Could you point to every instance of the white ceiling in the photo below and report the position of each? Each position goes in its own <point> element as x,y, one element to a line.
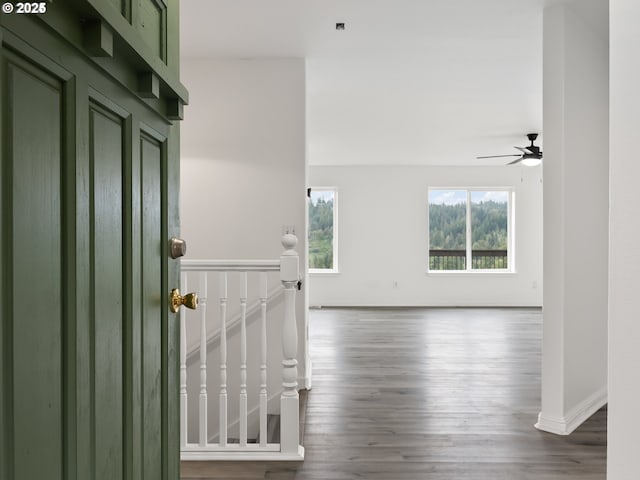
<point>408,82</point>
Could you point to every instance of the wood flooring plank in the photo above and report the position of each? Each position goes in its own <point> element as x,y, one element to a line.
<point>435,394</point>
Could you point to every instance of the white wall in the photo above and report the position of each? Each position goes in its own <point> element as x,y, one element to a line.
<point>243,151</point>
<point>576,128</point>
<point>623,461</point>
<point>243,161</point>
<point>382,237</point>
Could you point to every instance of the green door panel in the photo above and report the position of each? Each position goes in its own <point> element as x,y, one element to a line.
<point>151,14</point>
<point>119,5</point>
<point>153,302</point>
<point>106,147</point>
<point>33,105</point>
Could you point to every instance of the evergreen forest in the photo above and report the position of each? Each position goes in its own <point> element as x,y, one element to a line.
<point>321,233</point>
<point>448,225</point>
<point>447,231</point>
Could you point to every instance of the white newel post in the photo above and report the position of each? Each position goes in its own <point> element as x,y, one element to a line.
<point>289,409</point>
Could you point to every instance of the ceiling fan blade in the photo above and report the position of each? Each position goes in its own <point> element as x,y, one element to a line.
<point>517,160</point>
<point>498,156</point>
<point>524,150</point>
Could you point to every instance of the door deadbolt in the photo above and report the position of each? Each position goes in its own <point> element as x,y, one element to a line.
<point>190,300</point>
<point>177,247</point>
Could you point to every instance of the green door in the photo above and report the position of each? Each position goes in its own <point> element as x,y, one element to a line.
<point>88,202</point>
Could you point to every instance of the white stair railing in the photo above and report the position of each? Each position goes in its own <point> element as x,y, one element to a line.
<point>221,447</point>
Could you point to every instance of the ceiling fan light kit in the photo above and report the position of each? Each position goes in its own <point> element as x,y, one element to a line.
<point>531,155</point>
<point>531,160</point>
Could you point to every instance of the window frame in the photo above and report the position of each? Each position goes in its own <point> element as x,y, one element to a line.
<point>326,271</point>
<point>469,270</point>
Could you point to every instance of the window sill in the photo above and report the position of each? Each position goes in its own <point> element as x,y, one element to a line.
<point>471,273</point>
<point>324,273</point>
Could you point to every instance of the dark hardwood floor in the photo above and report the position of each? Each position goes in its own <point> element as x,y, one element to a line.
<point>431,394</point>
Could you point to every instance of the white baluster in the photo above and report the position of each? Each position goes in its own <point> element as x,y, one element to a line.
<point>289,409</point>
<point>203,359</point>
<point>243,359</point>
<point>223,359</point>
<point>183,369</point>
<point>263,360</point>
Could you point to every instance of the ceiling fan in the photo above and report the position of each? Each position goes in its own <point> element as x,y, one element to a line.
<point>530,156</point>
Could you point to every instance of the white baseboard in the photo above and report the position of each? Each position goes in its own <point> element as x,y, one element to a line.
<point>236,453</point>
<point>575,417</point>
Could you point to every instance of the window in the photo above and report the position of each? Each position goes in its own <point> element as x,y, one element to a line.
<point>470,229</point>
<point>323,238</point>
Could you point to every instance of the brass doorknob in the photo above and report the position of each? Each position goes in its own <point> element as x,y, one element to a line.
<point>190,300</point>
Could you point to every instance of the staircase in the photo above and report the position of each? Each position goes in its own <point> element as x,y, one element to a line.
<point>238,379</point>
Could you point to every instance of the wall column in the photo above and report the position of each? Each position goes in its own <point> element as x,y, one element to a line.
<point>576,196</point>
<point>623,441</point>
